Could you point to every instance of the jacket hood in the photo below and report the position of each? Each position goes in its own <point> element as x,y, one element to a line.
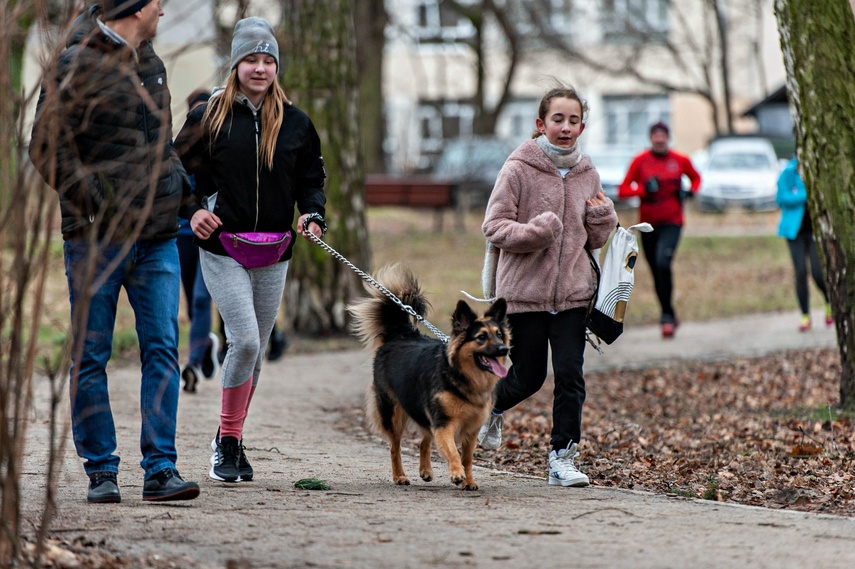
<point>83,32</point>
<point>83,25</point>
<point>529,153</point>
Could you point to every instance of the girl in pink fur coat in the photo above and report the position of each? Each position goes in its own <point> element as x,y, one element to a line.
<point>546,208</point>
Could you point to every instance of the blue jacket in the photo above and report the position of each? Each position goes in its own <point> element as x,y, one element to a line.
<point>791,198</point>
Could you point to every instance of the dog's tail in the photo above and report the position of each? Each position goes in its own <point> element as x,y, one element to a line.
<point>378,318</point>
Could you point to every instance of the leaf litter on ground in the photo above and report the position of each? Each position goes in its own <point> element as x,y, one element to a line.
<point>757,431</point>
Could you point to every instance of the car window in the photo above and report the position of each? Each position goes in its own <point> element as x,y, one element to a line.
<point>480,160</point>
<point>606,160</point>
<point>740,161</point>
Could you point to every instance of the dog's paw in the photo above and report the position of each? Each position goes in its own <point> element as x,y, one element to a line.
<point>457,478</point>
<point>426,475</point>
<point>471,485</point>
<point>401,481</point>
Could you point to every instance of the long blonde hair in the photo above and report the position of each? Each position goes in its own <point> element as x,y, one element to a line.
<point>220,108</point>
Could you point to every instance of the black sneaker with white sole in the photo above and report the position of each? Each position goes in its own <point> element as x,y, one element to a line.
<point>244,467</point>
<point>224,461</point>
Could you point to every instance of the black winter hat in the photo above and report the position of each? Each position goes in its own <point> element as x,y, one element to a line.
<point>660,125</point>
<point>118,9</point>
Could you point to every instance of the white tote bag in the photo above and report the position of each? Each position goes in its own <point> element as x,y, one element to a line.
<point>616,278</point>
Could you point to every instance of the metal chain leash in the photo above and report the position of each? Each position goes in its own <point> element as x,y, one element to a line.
<point>370,280</point>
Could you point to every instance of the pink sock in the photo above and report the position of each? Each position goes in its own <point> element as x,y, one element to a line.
<point>235,404</point>
<point>246,411</point>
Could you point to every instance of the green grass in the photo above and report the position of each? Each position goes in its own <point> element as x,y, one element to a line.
<point>819,413</point>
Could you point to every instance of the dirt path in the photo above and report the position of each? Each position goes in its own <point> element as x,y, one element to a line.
<point>299,428</point>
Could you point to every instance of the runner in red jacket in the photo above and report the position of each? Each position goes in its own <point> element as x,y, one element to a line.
<point>655,176</point>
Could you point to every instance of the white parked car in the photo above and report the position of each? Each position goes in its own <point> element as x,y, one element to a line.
<point>611,163</point>
<point>740,172</point>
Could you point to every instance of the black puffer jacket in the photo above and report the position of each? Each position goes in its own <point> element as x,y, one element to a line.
<point>251,196</point>
<point>102,137</point>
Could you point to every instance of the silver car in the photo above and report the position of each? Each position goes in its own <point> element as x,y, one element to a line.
<point>740,172</point>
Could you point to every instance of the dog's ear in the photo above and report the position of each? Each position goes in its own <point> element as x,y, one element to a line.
<point>462,318</point>
<point>497,311</point>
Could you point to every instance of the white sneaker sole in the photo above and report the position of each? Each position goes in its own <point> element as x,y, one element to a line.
<point>574,482</point>
<point>215,350</point>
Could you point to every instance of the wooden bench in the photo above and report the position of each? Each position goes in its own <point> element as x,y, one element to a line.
<point>414,192</point>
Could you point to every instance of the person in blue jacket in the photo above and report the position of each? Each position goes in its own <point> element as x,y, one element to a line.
<point>795,227</point>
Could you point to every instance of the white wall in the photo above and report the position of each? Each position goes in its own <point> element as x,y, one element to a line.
<point>184,42</point>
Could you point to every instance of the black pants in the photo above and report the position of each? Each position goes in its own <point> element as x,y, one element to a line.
<point>533,334</point>
<point>802,248</point>
<point>660,246</point>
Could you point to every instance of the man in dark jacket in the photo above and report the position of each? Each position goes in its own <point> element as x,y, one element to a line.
<point>101,139</point>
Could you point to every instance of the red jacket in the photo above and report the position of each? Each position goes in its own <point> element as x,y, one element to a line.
<point>663,207</point>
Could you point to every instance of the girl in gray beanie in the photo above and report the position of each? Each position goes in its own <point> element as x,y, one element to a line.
<point>253,35</point>
<point>256,158</point>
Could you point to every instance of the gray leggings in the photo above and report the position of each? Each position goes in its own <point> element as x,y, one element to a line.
<point>248,300</point>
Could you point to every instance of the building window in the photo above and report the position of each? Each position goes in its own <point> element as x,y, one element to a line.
<point>635,20</point>
<point>436,21</point>
<point>628,118</point>
<point>441,120</point>
<point>534,17</point>
<point>516,123</point>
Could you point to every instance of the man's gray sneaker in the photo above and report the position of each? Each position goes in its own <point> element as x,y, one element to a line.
<point>563,470</point>
<point>490,435</point>
<point>103,489</point>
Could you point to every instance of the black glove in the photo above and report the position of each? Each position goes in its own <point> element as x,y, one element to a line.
<point>651,186</point>
<point>684,195</point>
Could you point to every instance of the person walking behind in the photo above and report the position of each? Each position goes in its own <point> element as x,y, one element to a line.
<point>204,344</point>
<point>795,226</point>
<point>546,209</point>
<point>101,139</point>
<point>255,156</point>
<point>656,176</point>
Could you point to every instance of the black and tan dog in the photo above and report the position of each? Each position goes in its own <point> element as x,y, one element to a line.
<point>445,389</point>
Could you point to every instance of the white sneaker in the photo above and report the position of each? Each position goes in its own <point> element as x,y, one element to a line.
<point>490,435</point>
<point>562,468</point>
<point>210,364</point>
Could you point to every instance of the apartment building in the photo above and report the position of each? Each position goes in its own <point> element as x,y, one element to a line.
<point>670,51</point>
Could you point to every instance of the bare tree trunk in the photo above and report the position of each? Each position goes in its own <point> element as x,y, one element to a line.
<point>27,211</point>
<point>816,38</point>
<point>724,39</point>
<point>321,79</point>
<point>370,19</point>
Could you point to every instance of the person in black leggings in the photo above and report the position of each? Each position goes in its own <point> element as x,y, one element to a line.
<point>795,227</point>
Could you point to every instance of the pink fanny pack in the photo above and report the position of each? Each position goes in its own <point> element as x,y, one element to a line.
<point>255,249</point>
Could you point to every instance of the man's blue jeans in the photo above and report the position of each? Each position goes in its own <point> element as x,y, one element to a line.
<point>149,272</point>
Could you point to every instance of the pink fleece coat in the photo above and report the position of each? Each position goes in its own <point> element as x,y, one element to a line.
<point>541,224</point>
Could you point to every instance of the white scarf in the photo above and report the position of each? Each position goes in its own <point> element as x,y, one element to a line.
<point>561,157</point>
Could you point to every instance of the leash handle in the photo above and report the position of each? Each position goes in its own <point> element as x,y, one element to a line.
<point>370,280</point>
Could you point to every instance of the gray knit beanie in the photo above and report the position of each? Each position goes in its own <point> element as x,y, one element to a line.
<point>118,9</point>
<point>253,35</point>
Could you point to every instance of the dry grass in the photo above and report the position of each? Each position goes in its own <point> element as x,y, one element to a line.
<point>727,264</point>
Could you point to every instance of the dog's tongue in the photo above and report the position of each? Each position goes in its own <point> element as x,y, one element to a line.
<point>496,367</point>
